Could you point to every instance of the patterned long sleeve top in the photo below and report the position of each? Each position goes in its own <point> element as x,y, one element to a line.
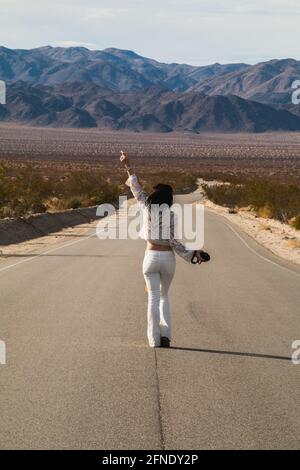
<point>161,229</point>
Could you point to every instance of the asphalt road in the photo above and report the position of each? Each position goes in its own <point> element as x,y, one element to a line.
<point>80,375</point>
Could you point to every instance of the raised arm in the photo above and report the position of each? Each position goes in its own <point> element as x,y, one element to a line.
<point>133,181</point>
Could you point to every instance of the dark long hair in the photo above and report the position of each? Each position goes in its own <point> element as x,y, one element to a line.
<point>161,194</point>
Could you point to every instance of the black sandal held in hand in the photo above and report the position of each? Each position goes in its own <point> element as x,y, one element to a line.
<point>204,257</point>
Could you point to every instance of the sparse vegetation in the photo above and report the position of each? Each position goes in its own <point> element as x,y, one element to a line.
<point>179,180</point>
<point>26,189</point>
<point>56,169</point>
<point>267,198</point>
<point>295,222</point>
<point>273,156</point>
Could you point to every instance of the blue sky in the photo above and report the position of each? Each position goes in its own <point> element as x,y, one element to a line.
<point>191,31</point>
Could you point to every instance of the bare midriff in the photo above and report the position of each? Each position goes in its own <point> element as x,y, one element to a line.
<point>153,246</point>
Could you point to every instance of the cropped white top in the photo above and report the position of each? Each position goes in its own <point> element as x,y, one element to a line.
<point>158,227</point>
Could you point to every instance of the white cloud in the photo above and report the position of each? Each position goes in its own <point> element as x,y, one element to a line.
<point>88,45</point>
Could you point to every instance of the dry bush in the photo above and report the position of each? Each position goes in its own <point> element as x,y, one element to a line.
<point>265,212</point>
<point>267,198</point>
<point>28,189</point>
<point>179,180</point>
<point>295,222</point>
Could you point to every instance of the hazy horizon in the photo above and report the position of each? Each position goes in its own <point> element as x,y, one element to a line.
<point>196,32</point>
<point>147,57</point>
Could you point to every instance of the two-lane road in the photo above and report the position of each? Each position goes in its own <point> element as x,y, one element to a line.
<point>79,373</point>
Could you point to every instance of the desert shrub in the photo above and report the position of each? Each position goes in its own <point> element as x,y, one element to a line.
<point>265,212</point>
<point>296,222</point>
<point>282,200</point>
<point>179,180</point>
<point>269,199</point>
<point>225,195</point>
<point>23,192</point>
<point>6,211</point>
<point>28,190</point>
<point>74,202</point>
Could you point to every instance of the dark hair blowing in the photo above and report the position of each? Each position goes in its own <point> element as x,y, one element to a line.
<point>161,194</point>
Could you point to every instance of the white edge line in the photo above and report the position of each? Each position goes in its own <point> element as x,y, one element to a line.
<point>93,234</point>
<point>258,254</point>
<point>38,255</point>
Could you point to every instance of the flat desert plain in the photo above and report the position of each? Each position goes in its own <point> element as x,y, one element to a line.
<point>273,155</point>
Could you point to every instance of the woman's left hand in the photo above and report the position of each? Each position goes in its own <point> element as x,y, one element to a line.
<point>200,259</point>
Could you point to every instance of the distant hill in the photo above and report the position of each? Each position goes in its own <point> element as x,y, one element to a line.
<point>268,82</point>
<point>119,89</point>
<point>153,109</point>
<point>116,69</point>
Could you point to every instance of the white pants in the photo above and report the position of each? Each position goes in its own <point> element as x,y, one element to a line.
<point>158,270</point>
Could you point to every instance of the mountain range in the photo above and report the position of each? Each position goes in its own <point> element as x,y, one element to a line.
<point>119,89</point>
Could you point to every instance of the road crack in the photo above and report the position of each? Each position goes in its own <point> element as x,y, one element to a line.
<point>160,421</point>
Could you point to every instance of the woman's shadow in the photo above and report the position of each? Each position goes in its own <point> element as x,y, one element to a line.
<point>232,353</point>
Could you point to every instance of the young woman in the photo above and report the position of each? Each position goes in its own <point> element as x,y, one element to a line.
<point>159,261</point>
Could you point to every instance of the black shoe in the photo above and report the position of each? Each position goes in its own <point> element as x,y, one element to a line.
<point>164,342</point>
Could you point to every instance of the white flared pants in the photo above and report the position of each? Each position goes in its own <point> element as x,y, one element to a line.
<point>158,270</point>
